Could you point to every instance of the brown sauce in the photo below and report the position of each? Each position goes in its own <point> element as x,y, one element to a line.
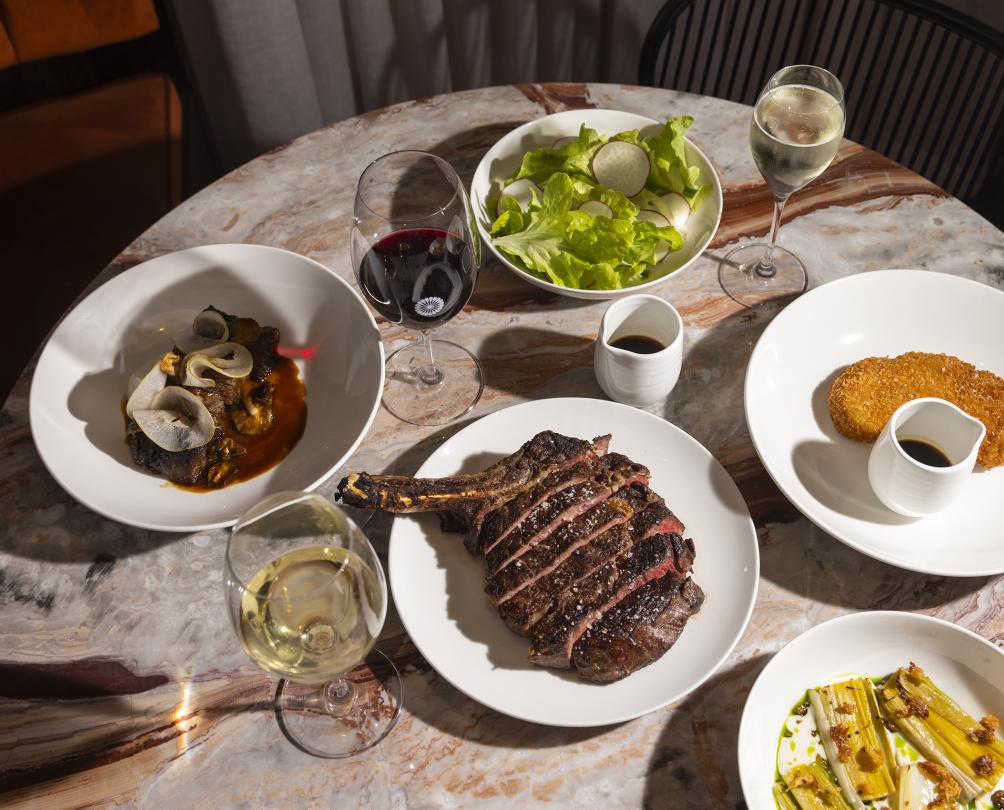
<point>267,449</point>
<point>639,344</point>
<point>924,452</point>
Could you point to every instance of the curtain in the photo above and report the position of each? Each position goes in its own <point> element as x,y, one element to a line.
<point>270,70</point>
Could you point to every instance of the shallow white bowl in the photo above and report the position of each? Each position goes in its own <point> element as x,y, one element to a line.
<point>124,325</point>
<point>507,154</point>
<point>966,666</point>
<point>824,474</point>
<point>439,587</point>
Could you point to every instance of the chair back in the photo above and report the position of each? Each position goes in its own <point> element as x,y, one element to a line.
<point>924,84</point>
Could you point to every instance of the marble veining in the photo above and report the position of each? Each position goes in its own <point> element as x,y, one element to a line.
<point>121,681</point>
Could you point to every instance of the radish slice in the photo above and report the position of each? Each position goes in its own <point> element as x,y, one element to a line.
<point>661,251</point>
<point>597,209</point>
<point>144,389</point>
<point>176,420</point>
<point>560,143</point>
<point>657,219</point>
<point>678,207</point>
<point>621,166</point>
<point>521,191</point>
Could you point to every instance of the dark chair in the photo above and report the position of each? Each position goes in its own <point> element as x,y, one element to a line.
<point>924,84</point>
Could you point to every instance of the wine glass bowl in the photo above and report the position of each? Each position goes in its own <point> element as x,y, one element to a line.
<point>307,598</point>
<point>795,132</point>
<point>416,259</point>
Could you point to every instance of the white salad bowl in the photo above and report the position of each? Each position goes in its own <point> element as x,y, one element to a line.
<point>873,644</point>
<point>506,155</point>
<point>125,324</point>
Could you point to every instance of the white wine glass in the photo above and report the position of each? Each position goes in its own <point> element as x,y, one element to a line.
<point>307,598</point>
<point>797,126</point>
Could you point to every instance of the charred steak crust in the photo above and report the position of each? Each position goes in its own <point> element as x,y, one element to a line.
<point>638,631</point>
<point>528,606</point>
<point>502,520</point>
<point>555,635</point>
<point>610,474</point>
<point>466,496</point>
<point>546,554</point>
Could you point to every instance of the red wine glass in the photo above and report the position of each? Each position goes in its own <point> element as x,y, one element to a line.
<point>416,259</point>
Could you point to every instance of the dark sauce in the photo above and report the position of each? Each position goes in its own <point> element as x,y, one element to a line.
<point>924,452</point>
<point>267,449</point>
<point>639,344</point>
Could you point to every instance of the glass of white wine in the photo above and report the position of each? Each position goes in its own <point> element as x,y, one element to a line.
<point>307,598</point>
<point>797,126</point>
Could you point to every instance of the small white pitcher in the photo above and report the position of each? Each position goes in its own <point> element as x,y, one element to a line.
<point>909,487</point>
<point>639,379</point>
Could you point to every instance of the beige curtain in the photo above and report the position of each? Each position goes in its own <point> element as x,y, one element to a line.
<point>270,70</point>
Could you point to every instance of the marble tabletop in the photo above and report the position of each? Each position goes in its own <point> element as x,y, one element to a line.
<point>121,682</point>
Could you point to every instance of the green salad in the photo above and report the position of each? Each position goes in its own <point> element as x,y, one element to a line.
<point>598,213</point>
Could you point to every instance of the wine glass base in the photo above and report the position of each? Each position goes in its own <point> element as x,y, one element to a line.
<point>412,400</point>
<point>738,276</point>
<point>364,718</point>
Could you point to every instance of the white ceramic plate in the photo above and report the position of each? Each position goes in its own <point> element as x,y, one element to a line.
<point>966,666</point>
<point>125,324</point>
<point>438,586</point>
<point>826,475</point>
<point>507,154</point>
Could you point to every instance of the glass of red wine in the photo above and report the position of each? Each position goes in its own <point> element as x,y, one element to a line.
<point>416,259</point>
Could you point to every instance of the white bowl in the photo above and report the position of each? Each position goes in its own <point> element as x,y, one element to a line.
<point>824,474</point>
<point>506,155</point>
<point>966,666</point>
<point>124,325</point>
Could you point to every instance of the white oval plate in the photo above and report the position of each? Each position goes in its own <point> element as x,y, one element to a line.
<point>507,154</point>
<point>439,588</point>
<point>124,325</point>
<point>824,474</point>
<point>966,666</point>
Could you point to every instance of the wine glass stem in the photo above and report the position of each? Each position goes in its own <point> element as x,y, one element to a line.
<point>430,374</point>
<point>334,697</point>
<point>765,268</point>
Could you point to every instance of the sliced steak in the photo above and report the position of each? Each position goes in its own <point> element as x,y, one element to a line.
<point>550,551</point>
<point>638,631</point>
<point>555,635</point>
<point>468,498</point>
<point>502,520</point>
<point>610,474</point>
<point>525,608</point>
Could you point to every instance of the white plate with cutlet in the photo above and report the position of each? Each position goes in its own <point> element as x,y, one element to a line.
<point>439,587</point>
<point>921,321</point>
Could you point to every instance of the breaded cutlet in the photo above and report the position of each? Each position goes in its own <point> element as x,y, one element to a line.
<point>865,395</point>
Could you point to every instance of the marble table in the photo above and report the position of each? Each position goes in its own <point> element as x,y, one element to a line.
<point>121,681</point>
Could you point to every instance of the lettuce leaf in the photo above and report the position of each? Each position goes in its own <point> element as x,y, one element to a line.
<point>568,247</point>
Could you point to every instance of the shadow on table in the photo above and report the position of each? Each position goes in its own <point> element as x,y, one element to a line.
<point>693,765</point>
<point>546,363</point>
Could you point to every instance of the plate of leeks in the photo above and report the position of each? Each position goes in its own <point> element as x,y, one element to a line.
<point>878,711</point>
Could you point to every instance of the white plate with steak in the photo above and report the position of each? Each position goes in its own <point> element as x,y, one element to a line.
<point>618,553</point>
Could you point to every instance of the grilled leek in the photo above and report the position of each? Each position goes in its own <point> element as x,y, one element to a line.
<point>809,787</point>
<point>855,742</point>
<point>783,798</point>
<point>936,726</point>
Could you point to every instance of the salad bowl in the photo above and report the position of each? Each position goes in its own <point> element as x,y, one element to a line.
<point>505,157</point>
